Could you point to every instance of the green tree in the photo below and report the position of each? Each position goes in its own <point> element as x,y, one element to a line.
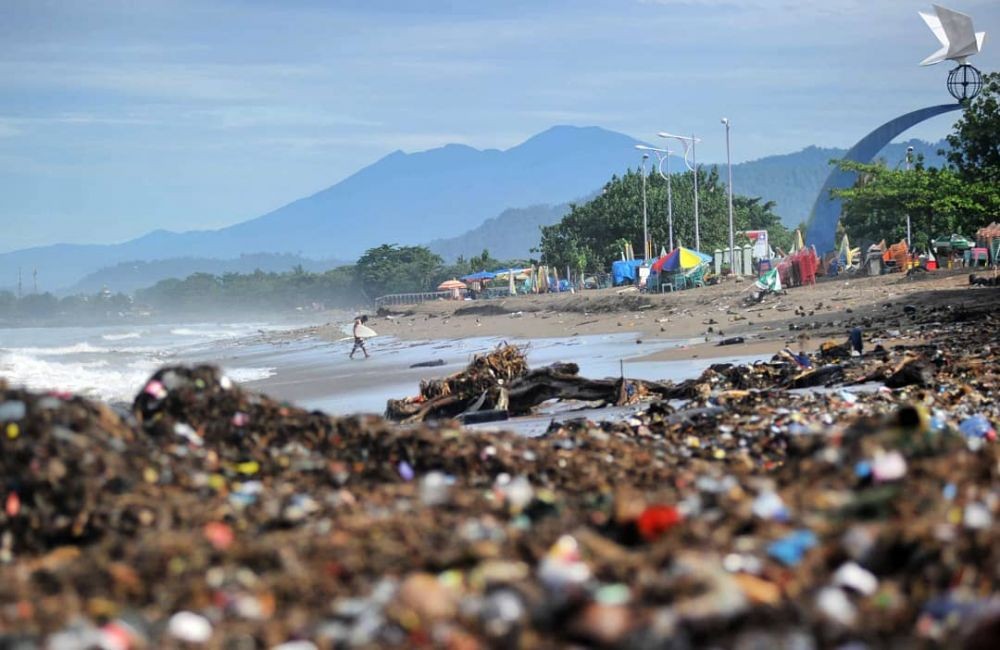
<point>975,144</point>
<point>391,268</point>
<point>939,202</point>
<point>594,231</point>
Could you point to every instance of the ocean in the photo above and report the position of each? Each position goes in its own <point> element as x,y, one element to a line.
<point>112,363</point>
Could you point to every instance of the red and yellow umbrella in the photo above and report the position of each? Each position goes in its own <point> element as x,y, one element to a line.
<point>448,285</point>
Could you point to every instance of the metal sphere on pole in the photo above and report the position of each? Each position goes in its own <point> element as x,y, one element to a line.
<point>663,157</point>
<point>689,147</point>
<point>732,234</point>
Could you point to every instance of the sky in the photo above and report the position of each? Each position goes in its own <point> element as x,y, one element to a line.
<point>118,117</point>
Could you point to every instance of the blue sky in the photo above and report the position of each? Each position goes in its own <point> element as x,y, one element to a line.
<point>120,116</point>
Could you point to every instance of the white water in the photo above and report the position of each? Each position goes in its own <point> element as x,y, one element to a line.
<point>112,363</point>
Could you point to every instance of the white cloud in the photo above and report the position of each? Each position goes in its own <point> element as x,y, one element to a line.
<point>242,117</point>
<point>176,81</point>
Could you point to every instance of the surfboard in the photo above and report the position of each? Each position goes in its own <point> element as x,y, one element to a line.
<point>364,331</point>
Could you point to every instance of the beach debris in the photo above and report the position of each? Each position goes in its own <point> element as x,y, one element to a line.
<point>429,364</point>
<point>907,371</point>
<point>749,515</point>
<point>499,383</point>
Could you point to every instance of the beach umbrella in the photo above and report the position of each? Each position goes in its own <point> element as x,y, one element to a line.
<point>797,244</point>
<point>680,259</point>
<point>448,285</point>
<point>849,254</point>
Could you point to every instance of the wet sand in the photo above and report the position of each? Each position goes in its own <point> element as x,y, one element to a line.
<point>694,321</point>
<point>318,374</point>
<point>658,337</point>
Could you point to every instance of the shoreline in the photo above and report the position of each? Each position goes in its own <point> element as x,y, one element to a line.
<point>659,337</point>
<point>696,320</point>
<point>769,511</point>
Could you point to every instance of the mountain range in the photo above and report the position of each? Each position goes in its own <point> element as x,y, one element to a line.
<point>457,199</point>
<point>790,180</point>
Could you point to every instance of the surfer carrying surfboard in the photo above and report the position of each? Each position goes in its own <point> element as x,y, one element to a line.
<point>359,335</point>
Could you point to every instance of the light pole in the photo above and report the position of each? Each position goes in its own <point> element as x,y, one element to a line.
<point>645,221</point>
<point>732,241</point>
<point>663,156</point>
<point>689,147</point>
<point>909,241</point>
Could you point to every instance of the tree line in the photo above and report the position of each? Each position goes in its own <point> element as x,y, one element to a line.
<point>592,235</point>
<point>389,268</point>
<point>46,308</point>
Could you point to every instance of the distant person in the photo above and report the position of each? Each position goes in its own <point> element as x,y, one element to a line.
<point>359,341</point>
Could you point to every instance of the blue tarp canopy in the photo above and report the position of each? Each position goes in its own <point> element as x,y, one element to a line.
<point>624,270</point>
<point>479,275</point>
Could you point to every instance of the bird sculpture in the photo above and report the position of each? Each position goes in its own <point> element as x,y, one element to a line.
<point>954,31</point>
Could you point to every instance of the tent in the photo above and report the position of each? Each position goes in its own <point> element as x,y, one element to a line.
<point>681,259</point>
<point>479,276</point>
<point>624,270</point>
<point>953,243</point>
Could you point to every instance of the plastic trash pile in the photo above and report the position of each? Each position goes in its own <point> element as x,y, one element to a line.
<point>750,515</point>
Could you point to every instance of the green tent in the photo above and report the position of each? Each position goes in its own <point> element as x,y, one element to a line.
<point>953,243</point>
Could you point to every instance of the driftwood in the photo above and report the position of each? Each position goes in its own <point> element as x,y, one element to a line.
<point>558,381</point>
<point>910,371</point>
<point>818,377</point>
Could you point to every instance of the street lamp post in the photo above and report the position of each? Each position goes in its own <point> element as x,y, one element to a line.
<point>909,241</point>
<point>645,221</point>
<point>732,241</point>
<point>689,147</point>
<point>663,157</point>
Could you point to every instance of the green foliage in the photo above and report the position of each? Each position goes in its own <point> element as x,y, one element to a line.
<point>939,201</point>
<point>254,292</point>
<point>975,144</point>
<point>46,308</point>
<point>591,234</point>
<point>391,268</point>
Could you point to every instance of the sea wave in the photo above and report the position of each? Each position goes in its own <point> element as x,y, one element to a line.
<point>96,379</point>
<point>121,337</point>
<point>214,333</point>
<point>76,348</point>
<point>243,375</point>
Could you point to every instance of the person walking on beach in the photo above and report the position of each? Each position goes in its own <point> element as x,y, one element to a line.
<point>359,341</point>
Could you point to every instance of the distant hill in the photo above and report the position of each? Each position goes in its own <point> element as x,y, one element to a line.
<point>510,235</point>
<point>129,276</point>
<point>402,198</point>
<point>790,180</point>
<point>793,180</point>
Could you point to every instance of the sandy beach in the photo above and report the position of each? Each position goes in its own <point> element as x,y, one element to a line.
<point>694,320</point>
<point>656,336</point>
